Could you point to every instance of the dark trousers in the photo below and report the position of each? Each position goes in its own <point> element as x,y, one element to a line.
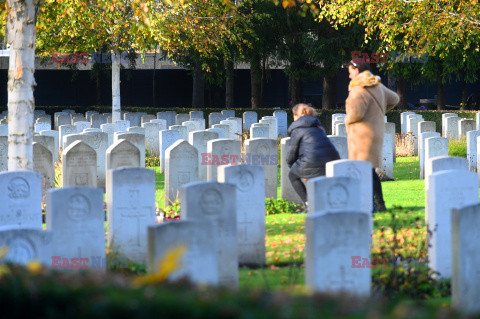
<point>378,201</point>
<point>298,185</point>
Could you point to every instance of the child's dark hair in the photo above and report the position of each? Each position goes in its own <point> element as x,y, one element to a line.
<point>359,64</point>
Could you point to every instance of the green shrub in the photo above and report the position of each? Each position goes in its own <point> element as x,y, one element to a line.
<point>280,206</point>
<point>458,147</point>
<point>151,160</point>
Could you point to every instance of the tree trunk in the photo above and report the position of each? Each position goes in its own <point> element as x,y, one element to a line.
<point>21,21</point>
<point>402,92</point>
<point>263,80</point>
<point>329,97</point>
<point>256,81</point>
<point>296,90</point>
<point>116,106</point>
<point>440,91</point>
<point>198,96</point>
<point>229,72</point>
<point>153,80</point>
<point>464,93</point>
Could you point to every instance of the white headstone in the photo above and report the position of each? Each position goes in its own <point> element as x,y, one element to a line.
<point>44,164</point>
<point>443,163</point>
<point>216,202</point>
<point>110,130</point>
<point>136,139</point>
<point>333,242</point>
<point>446,190</point>
<point>76,217</point>
<point>435,146</point>
<point>79,165</point>
<point>412,126</point>
<point>166,139</point>
<point>181,167</point>
<point>451,131</point>
<point>341,145</point>
<point>403,121</point>
<point>122,154</point>
<point>249,117</point>
<point>250,206</point>
<point>219,131</point>
<point>180,118</point>
<point>260,131</point>
<point>26,245</point>
<point>199,140</point>
<point>214,118</point>
<point>465,259</point>
<point>198,238</point>
<point>464,126</point>
<point>333,194</point>
<point>222,151</point>
<point>272,123</point>
<point>182,131</point>
<point>21,198</point>
<point>81,125</point>
<point>228,113</point>
<point>282,122</point>
<point>130,210</point>
<point>286,188</point>
<point>196,115</point>
<point>264,152</point>
<point>421,150</point>
<point>151,138</point>
<point>472,149</point>
<point>444,123</point>
<point>55,136</point>
<point>227,129</point>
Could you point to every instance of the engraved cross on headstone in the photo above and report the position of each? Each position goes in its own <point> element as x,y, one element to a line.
<point>343,283</point>
<point>135,211</point>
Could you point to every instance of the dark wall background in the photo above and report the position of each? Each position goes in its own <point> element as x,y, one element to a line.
<point>173,88</point>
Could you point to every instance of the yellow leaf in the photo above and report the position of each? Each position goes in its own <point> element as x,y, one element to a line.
<point>34,266</point>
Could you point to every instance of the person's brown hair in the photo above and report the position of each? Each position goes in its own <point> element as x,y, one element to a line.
<point>304,110</point>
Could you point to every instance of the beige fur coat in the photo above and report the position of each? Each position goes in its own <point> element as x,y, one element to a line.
<point>366,105</point>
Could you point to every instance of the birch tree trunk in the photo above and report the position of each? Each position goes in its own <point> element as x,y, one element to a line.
<point>21,21</point>
<point>116,107</point>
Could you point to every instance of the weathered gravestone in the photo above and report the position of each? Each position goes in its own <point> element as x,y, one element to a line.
<point>444,122</point>
<point>191,126</point>
<point>451,131</point>
<point>340,144</point>
<point>385,171</point>
<point>282,122</point>
<point>147,118</point>
<point>227,129</point>
<point>21,198</point>
<point>48,142</point>
<point>286,188</point>
<point>199,140</point>
<point>130,210</point>
<point>260,131</point>
<point>76,217</point>
<point>214,118</point>
<point>55,136</point>
<point>97,120</point>
<point>443,163</point>
<point>216,202</point>
<point>26,245</point>
<point>81,125</point>
<point>79,165</point>
<point>43,164</point>
<point>228,113</point>
<point>403,121</point>
<point>390,129</point>
<point>166,139</point>
<point>412,127</point>
<point>198,238</point>
<point>333,242</point>
<point>122,154</point>
<point>65,130</point>
<point>180,118</point>
<point>151,138</point>
<point>249,182</point>
<point>121,126</point>
<point>219,131</point>
<point>263,151</point>
<point>182,131</point>
<point>181,167</point>
<point>464,126</point>
<point>333,194</point>
<point>421,150</point>
<point>249,118</point>
<point>136,139</point>
<point>446,190</point>
<point>110,130</point>
<point>472,149</point>
<point>272,124</point>
<point>222,151</point>
<point>465,259</point>
<point>196,115</point>
<point>360,171</point>
<point>435,146</point>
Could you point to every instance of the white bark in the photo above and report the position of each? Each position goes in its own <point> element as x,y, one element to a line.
<point>116,107</point>
<point>21,21</point>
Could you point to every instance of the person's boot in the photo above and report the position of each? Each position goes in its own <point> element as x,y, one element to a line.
<point>378,204</point>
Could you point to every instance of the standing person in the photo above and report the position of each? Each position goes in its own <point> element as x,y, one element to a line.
<point>310,149</point>
<point>368,101</point>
